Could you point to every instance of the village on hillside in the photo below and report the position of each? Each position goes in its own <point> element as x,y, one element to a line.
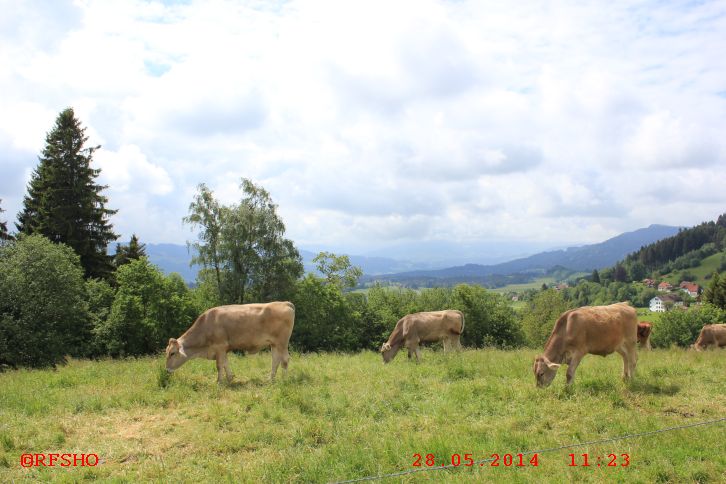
<point>672,297</point>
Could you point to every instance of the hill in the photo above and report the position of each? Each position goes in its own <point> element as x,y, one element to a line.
<point>173,258</point>
<point>176,258</point>
<point>701,273</point>
<point>657,254</point>
<point>584,258</point>
<point>345,416</point>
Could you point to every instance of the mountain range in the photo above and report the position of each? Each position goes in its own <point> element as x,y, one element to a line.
<point>583,258</point>
<point>176,258</point>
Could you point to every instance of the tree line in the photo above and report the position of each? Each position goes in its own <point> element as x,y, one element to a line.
<point>62,294</point>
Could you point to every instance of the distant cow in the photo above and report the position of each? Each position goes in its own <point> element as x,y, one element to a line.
<point>644,330</point>
<point>711,335</point>
<point>427,327</point>
<point>246,327</point>
<point>597,330</point>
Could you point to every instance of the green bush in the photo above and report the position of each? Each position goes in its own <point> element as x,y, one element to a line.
<point>540,315</point>
<point>324,318</point>
<point>681,327</point>
<point>100,296</point>
<point>148,309</point>
<point>489,319</point>
<point>43,312</point>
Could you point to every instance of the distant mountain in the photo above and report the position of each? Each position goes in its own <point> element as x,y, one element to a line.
<point>369,265</point>
<point>176,258</point>
<point>584,258</point>
<point>173,258</point>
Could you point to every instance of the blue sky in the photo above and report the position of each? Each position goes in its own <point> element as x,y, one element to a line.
<point>380,126</point>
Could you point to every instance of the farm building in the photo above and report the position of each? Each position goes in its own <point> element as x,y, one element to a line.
<point>662,303</point>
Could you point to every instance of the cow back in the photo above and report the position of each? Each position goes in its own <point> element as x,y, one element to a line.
<point>600,330</point>
<point>246,327</point>
<point>432,325</point>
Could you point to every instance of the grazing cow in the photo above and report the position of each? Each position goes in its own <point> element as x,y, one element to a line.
<point>427,327</point>
<point>711,335</point>
<point>644,330</point>
<point>597,330</point>
<point>246,327</point>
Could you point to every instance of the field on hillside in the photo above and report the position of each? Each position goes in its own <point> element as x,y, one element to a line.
<point>705,269</point>
<point>534,284</point>
<point>338,417</point>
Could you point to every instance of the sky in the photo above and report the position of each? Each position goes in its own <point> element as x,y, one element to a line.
<point>398,128</point>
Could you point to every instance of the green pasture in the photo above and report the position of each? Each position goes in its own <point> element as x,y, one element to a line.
<point>535,284</point>
<point>340,416</point>
<point>704,270</point>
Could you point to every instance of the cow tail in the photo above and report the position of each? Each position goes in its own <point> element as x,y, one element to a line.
<point>462,324</point>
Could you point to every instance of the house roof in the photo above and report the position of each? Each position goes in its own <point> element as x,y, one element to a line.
<point>690,286</point>
<point>669,297</point>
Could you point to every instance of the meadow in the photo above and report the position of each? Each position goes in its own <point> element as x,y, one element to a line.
<point>344,416</point>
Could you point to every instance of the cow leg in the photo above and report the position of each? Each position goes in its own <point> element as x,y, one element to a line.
<point>447,344</point>
<point>277,357</point>
<point>227,369</point>
<point>630,357</point>
<point>221,360</point>
<point>572,366</point>
<point>285,361</point>
<point>632,360</point>
<point>417,352</point>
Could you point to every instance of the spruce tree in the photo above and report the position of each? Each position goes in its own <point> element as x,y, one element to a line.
<point>64,203</point>
<point>4,235</point>
<point>127,253</point>
<point>595,276</point>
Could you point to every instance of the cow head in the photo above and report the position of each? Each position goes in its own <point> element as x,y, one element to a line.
<point>388,352</point>
<point>544,371</point>
<point>175,355</point>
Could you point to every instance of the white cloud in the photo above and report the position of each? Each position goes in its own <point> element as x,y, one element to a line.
<point>129,170</point>
<point>376,122</point>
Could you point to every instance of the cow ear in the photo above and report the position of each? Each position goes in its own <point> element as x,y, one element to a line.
<point>172,341</point>
<point>182,352</point>
<point>552,366</point>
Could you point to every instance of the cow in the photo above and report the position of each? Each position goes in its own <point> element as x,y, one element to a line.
<point>711,335</point>
<point>425,327</point>
<point>246,327</point>
<point>597,330</point>
<point>644,330</point>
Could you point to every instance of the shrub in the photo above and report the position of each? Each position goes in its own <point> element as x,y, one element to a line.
<point>43,313</point>
<point>324,318</point>
<point>489,319</point>
<point>540,315</point>
<point>681,327</point>
<point>148,309</point>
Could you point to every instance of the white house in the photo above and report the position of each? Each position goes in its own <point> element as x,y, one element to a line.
<point>690,288</point>
<point>658,303</point>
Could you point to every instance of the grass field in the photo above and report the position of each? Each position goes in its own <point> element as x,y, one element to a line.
<point>338,416</point>
<point>708,266</point>
<point>535,284</point>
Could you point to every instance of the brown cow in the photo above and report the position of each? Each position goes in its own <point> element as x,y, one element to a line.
<point>711,335</point>
<point>246,327</point>
<point>597,330</point>
<point>644,330</point>
<point>426,327</point>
